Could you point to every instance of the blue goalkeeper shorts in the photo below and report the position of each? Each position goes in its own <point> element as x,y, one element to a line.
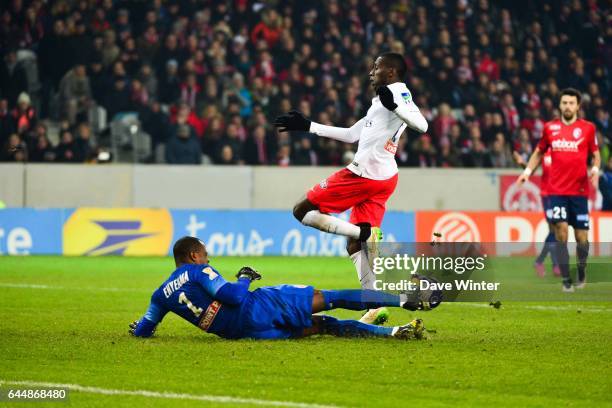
<point>276,312</point>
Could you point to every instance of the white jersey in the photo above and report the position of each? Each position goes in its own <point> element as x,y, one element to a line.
<point>378,134</point>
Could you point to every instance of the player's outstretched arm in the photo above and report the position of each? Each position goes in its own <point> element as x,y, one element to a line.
<point>145,327</point>
<point>532,164</point>
<point>235,293</point>
<point>408,113</point>
<point>295,121</point>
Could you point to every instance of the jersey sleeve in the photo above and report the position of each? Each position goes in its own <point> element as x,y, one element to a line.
<point>403,97</point>
<point>544,141</point>
<point>154,315</point>
<point>208,277</point>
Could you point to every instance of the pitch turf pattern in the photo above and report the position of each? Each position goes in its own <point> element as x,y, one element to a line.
<point>64,320</point>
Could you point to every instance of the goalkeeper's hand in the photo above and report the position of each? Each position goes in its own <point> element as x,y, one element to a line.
<point>248,272</point>
<point>292,121</point>
<point>133,326</point>
<point>147,328</point>
<point>386,97</point>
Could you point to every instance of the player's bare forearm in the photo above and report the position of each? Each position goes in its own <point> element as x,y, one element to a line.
<point>535,159</point>
<point>532,164</point>
<point>597,159</point>
<point>595,169</point>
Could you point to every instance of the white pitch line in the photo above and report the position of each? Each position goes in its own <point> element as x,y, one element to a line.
<point>25,285</point>
<point>35,286</point>
<point>222,399</point>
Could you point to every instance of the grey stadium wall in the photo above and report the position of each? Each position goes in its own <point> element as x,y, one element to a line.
<point>240,187</point>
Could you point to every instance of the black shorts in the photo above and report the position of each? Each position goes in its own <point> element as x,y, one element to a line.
<point>571,209</point>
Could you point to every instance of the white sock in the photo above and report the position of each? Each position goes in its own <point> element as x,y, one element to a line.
<point>334,225</point>
<point>364,272</point>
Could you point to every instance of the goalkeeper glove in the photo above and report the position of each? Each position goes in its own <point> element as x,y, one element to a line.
<point>146,329</point>
<point>248,272</point>
<point>293,120</point>
<point>386,97</point>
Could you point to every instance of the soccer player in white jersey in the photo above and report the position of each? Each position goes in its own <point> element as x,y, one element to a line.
<point>366,184</point>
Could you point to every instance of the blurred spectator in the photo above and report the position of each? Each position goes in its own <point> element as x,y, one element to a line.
<point>304,154</point>
<point>258,148</point>
<point>269,29</point>
<point>283,157</point>
<point>425,153</point>
<point>7,124</point>
<point>24,115</point>
<point>155,123</point>
<point>75,93</point>
<point>226,156</point>
<point>15,149</point>
<point>170,86</point>
<point>84,148</point>
<point>500,155</point>
<point>66,150</point>
<point>183,147</point>
<point>43,151</point>
<point>13,79</point>
<point>117,98</point>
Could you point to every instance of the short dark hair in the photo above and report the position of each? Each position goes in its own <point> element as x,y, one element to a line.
<point>395,61</point>
<point>184,246</point>
<point>571,92</point>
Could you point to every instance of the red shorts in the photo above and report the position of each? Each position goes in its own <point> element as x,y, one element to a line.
<point>344,189</point>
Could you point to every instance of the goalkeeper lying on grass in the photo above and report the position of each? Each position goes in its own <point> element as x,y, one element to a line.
<point>199,294</point>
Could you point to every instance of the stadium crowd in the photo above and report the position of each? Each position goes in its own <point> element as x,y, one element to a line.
<point>208,77</point>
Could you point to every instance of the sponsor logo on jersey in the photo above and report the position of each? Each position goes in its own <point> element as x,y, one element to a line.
<point>369,123</point>
<point>323,183</point>
<point>555,127</point>
<point>391,147</point>
<point>457,227</point>
<point>209,271</point>
<point>577,133</point>
<point>566,145</point>
<point>209,316</point>
<point>129,231</point>
<point>407,97</point>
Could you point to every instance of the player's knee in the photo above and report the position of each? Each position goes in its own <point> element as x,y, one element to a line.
<point>353,246</point>
<point>561,235</point>
<point>301,208</point>
<point>298,212</point>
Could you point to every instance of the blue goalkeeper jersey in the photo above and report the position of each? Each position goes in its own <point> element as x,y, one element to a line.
<point>194,292</point>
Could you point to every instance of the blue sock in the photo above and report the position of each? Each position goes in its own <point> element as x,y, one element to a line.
<point>358,299</point>
<point>352,328</point>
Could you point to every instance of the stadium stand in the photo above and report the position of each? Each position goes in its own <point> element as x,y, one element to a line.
<point>199,81</point>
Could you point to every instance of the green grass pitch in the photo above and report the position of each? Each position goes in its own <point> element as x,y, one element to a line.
<point>65,320</point>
